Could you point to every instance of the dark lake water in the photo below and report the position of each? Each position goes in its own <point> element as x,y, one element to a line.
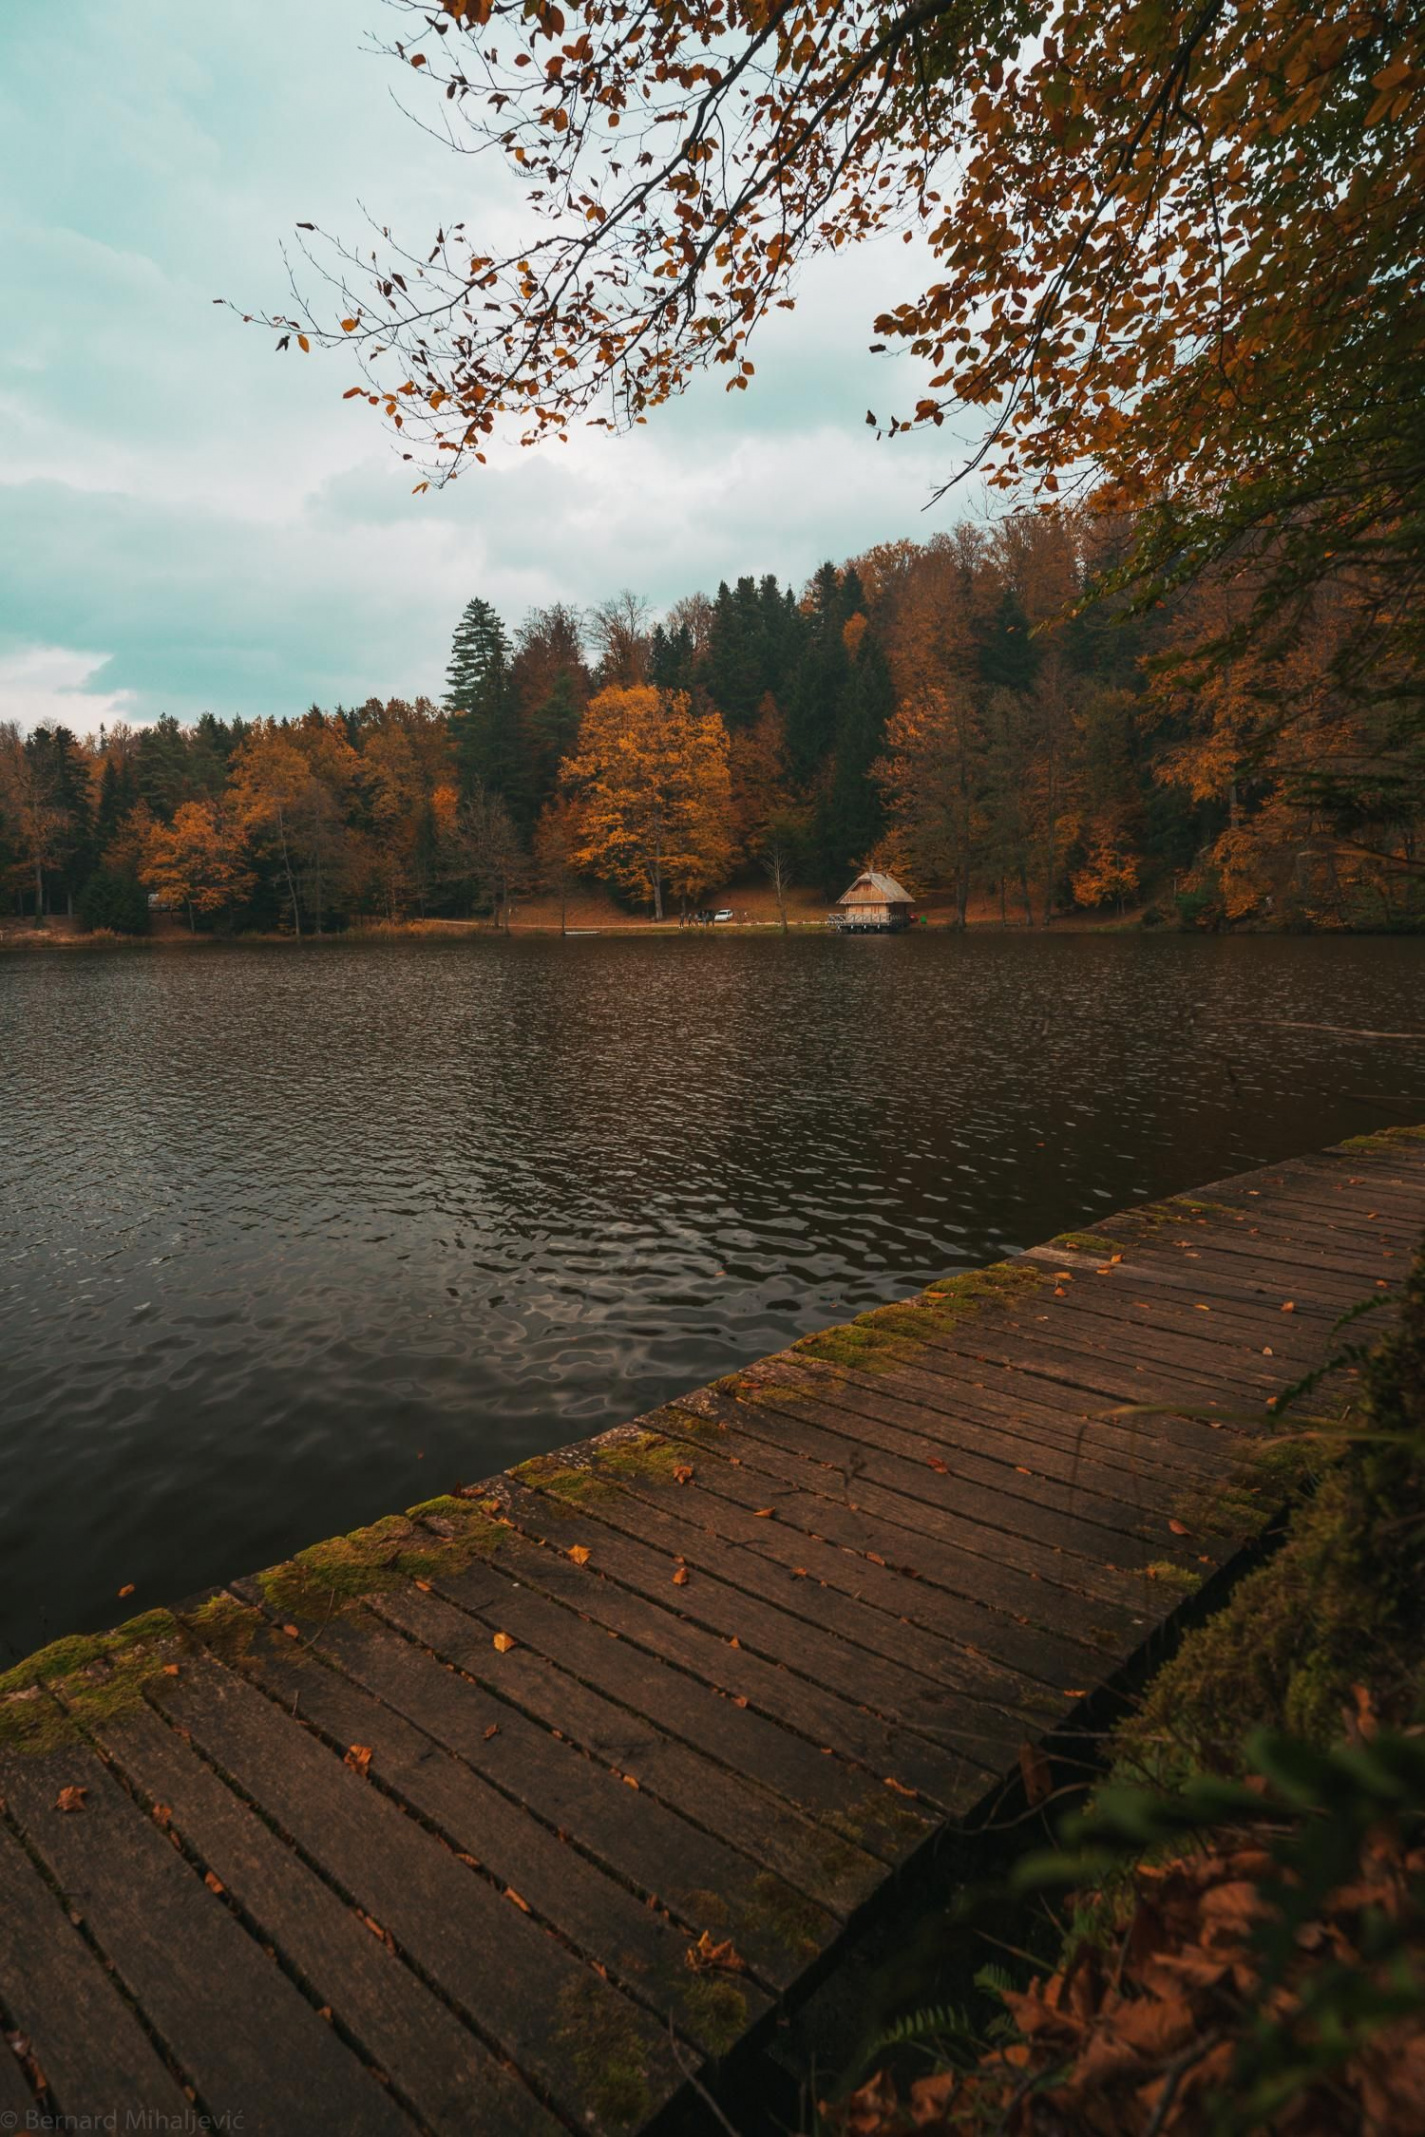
<point>291,1238</point>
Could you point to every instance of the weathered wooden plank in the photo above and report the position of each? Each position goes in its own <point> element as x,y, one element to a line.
<point>725,1501</point>
<point>683,1871</point>
<point>1016,1411</point>
<point>1065,1503</point>
<point>438,2067</point>
<point>246,2038</point>
<point>609,1640</point>
<point>734,1809</point>
<point>1065,1449</point>
<point>642,1950</point>
<point>941,1745</point>
<point>589,2048</point>
<point>999,1564</point>
<point>667,1525</point>
<point>86,2039</point>
<point>832,1441</point>
<point>889,1530</point>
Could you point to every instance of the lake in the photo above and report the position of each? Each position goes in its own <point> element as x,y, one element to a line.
<point>290,1238</point>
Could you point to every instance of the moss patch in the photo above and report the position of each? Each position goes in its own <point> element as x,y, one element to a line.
<point>1088,1243</point>
<point>608,2055</point>
<point>95,1678</point>
<point>1259,1486</point>
<point>329,1576</point>
<point>879,1820</point>
<point>1169,1574</point>
<point>716,2011</point>
<point>887,1336</point>
<point>32,1721</point>
<point>583,1476</point>
<point>778,1911</point>
<point>1385,1140</point>
<point>63,1657</point>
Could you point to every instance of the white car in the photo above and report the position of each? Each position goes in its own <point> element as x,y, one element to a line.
<point>724,912</point>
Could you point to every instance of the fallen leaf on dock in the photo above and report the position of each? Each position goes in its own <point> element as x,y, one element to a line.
<point>493,1730</point>
<point>292,1632</point>
<point>127,1589</point>
<point>511,1894</point>
<point>707,1954</point>
<point>503,1643</point>
<point>1179,1528</point>
<point>680,1578</point>
<point>1289,1306</point>
<point>899,1786</point>
<point>423,1585</point>
<point>214,1884</point>
<point>683,1474</point>
<point>170,1669</point>
<point>358,1757</point>
<point>579,1552</point>
<point>71,1798</point>
<point>933,1461</point>
<point>762,1513</point>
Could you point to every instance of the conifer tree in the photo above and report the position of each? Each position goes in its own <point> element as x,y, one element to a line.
<point>479,697</point>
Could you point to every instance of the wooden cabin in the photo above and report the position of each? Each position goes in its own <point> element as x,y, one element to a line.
<point>875,903</point>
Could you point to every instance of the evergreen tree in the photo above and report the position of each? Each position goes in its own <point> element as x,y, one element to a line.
<point>161,767</point>
<point>850,817</point>
<point>480,700</point>
<point>818,682</point>
<point>1008,657</point>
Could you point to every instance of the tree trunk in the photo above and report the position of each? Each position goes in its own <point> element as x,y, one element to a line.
<point>962,898</point>
<point>1024,894</point>
<point>192,923</point>
<point>657,895</point>
<point>291,879</point>
<point>1003,902</point>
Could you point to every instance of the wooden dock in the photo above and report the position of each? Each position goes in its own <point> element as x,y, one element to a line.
<point>517,1812</point>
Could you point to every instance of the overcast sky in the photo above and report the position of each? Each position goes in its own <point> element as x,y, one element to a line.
<point>189,521</point>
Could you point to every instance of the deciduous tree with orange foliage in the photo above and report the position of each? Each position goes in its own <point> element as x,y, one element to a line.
<point>197,861</point>
<point>653,793</point>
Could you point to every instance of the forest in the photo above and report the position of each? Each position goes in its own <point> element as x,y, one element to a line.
<point>958,710</point>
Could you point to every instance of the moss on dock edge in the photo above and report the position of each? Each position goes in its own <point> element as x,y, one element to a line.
<point>437,1536</point>
<point>888,1336</point>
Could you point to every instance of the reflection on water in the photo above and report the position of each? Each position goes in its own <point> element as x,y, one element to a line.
<point>291,1238</point>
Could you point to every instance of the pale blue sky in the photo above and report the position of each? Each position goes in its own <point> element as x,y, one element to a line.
<point>188,521</point>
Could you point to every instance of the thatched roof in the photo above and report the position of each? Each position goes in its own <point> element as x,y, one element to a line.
<point>873,888</point>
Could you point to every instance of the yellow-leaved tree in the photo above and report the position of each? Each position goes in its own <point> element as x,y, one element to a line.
<point>652,789</point>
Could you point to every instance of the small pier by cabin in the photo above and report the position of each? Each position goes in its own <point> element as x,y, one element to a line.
<point>875,904</point>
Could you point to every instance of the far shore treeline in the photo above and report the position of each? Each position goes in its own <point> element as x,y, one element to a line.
<point>953,710</point>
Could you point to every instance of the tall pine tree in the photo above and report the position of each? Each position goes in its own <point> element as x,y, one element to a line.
<point>489,745</point>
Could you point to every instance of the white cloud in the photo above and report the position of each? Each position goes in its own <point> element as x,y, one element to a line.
<point>215,515</point>
<point>46,684</point>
